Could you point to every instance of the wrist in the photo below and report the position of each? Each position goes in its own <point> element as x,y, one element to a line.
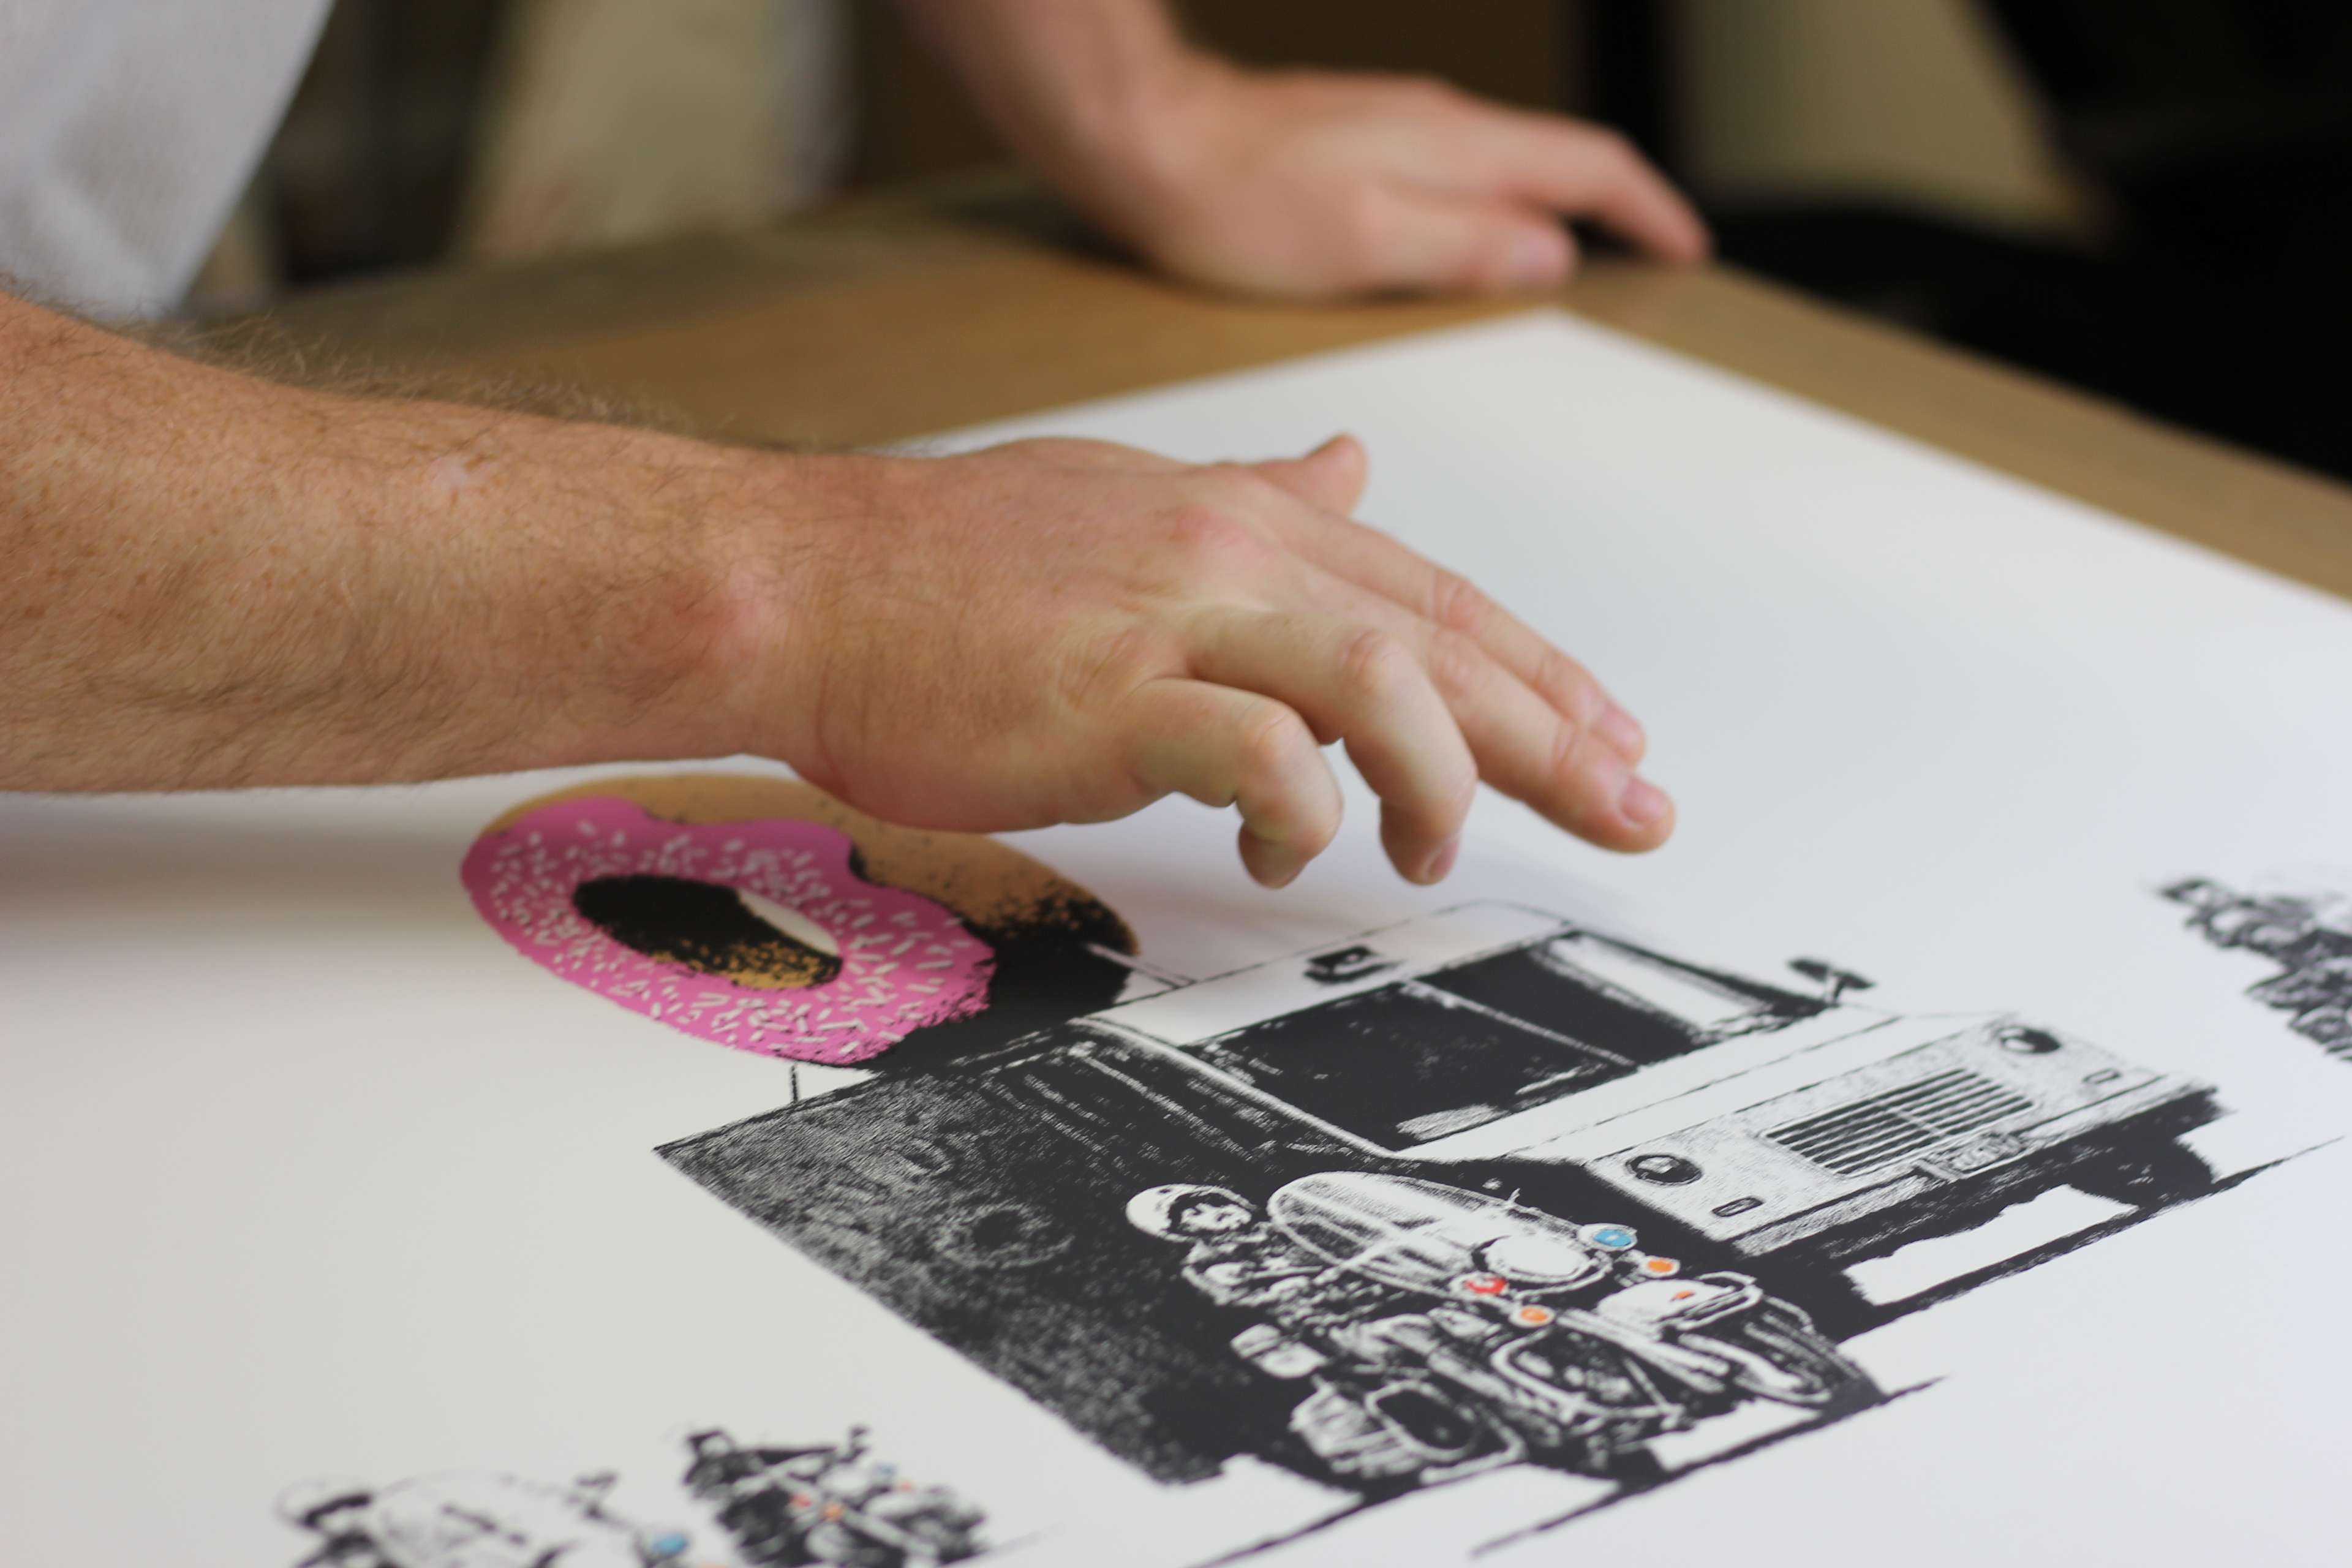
<point>565,592</point>
<point>758,624</point>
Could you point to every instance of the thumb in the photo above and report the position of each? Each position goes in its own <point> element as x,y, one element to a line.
<point>1331,476</point>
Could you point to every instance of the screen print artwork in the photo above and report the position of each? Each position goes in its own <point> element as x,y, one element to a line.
<point>1489,1191</point>
<point>760,914</point>
<point>2305,930</point>
<point>764,1505</point>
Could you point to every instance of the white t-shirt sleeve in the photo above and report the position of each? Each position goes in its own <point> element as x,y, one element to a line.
<point>128,129</point>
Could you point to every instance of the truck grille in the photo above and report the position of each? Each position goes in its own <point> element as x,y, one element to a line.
<point>1865,1134</point>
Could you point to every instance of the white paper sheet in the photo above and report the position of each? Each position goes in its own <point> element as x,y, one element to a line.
<point>314,1176</point>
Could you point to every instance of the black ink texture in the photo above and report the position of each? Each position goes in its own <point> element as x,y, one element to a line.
<point>1485,1188</point>
<point>833,1502</point>
<point>2308,934</point>
<point>702,926</point>
<point>472,1518</point>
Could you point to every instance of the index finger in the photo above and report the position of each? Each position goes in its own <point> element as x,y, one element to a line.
<point>1362,554</point>
<point>1589,171</point>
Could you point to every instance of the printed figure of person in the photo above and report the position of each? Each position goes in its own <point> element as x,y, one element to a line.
<point>1354,1335</point>
<point>2307,934</point>
<point>1238,1258</point>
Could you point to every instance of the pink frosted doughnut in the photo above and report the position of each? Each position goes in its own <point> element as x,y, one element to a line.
<point>905,962</point>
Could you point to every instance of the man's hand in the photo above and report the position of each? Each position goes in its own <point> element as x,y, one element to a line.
<point>1063,631</point>
<point>218,583</point>
<point>1294,183</point>
<point>1313,184</point>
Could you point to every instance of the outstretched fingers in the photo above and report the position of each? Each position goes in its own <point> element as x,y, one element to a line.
<point>1223,747</point>
<point>1353,681</point>
<point>1358,553</point>
<point>1588,170</point>
<point>1578,775</point>
<point>1543,729</point>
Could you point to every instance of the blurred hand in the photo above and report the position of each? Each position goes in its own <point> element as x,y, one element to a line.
<point>1065,631</point>
<point>1313,184</point>
<point>1294,182</point>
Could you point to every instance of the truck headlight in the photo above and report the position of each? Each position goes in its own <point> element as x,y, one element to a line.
<point>1666,1170</point>
<point>2028,1041</point>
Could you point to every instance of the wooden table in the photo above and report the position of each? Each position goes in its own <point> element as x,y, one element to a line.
<point>890,318</point>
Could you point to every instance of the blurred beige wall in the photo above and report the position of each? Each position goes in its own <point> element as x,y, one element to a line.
<point>615,121</point>
<point>599,122</point>
<point>1915,99</point>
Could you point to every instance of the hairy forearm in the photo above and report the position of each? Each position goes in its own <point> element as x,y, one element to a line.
<point>215,581</point>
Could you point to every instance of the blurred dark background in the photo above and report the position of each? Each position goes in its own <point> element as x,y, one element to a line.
<point>2150,199</point>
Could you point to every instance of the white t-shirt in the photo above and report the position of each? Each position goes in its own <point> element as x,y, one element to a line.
<point>128,129</point>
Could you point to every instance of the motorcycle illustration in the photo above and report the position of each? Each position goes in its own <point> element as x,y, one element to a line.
<point>473,1519</point>
<point>830,1503</point>
<point>1523,1336</point>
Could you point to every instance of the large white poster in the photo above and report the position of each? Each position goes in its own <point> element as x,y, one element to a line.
<point>1930,1156</point>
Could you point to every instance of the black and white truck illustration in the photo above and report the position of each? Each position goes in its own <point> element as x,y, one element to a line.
<point>1758,1117</point>
<point>1485,1066</point>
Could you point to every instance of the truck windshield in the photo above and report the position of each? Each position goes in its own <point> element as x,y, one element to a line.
<point>1459,1047</point>
<point>1632,1004</point>
<point>1402,1065</point>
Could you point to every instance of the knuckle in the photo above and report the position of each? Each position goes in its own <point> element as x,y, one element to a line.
<point>1457,604</point>
<point>1568,747</point>
<point>1240,493</point>
<point>1457,663</point>
<point>1209,537</point>
<point>1360,218</point>
<point>1094,670</point>
<point>1271,739</point>
<point>1372,663</point>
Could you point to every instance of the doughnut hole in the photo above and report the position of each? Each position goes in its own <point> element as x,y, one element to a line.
<point>707,928</point>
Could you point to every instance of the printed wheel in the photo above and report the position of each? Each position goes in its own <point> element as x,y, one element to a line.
<point>834,1542</point>
<point>2149,1175</point>
<point>945,1544</point>
<point>1800,1367</point>
<point>1388,1446</point>
<point>2329,1026</point>
<point>1633,1465</point>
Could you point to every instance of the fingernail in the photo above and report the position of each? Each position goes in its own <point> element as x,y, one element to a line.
<point>1619,728</point>
<point>1538,259</point>
<point>1435,868</point>
<point>1644,804</point>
